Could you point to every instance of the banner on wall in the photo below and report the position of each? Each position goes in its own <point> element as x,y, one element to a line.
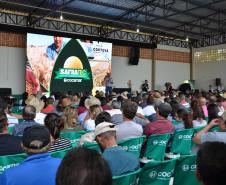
<point>64,64</point>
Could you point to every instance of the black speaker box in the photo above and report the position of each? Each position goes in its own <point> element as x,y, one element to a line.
<point>5,91</point>
<point>218,81</point>
<point>134,56</point>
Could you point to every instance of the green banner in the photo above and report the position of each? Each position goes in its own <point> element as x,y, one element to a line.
<point>72,73</point>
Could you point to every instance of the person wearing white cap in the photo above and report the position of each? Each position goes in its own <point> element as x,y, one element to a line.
<point>204,135</point>
<point>120,161</point>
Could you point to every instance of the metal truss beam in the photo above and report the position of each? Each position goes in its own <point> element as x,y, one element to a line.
<point>150,14</point>
<point>211,40</point>
<point>191,24</point>
<point>75,29</point>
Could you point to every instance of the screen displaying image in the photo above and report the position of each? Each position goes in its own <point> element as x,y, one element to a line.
<point>43,51</point>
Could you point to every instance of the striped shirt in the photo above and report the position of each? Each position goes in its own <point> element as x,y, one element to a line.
<point>60,144</point>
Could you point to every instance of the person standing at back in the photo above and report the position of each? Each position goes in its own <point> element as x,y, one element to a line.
<point>145,87</point>
<point>108,82</point>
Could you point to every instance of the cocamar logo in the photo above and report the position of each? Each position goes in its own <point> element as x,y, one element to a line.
<point>160,175</point>
<point>160,142</point>
<point>132,148</point>
<point>73,68</point>
<point>187,167</point>
<point>185,137</point>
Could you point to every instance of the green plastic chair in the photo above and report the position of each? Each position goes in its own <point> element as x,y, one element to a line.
<point>182,142</point>
<point>176,122</point>
<point>9,161</point>
<point>197,129</point>
<point>185,171</point>
<point>16,110</point>
<point>156,146</point>
<point>157,172</point>
<point>215,129</point>
<point>10,129</point>
<point>60,153</point>
<point>132,145</point>
<point>126,179</point>
<point>74,137</point>
<point>92,146</point>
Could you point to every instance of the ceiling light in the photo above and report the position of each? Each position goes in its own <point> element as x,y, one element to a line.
<point>187,39</point>
<point>138,30</point>
<point>61,16</point>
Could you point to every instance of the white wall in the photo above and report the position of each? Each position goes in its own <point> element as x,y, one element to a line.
<point>12,69</point>
<point>122,72</point>
<point>206,73</point>
<point>173,72</point>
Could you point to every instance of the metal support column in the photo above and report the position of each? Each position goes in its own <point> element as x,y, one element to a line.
<point>153,69</point>
<point>191,64</point>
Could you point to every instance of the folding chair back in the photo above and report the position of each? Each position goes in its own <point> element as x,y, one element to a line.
<point>126,179</point>
<point>132,145</point>
<point>10,161</point>
<point>156,146</point>
<point>182,142</point>
<point>92,145</point>
<point>60,153</point>
<point>185,171</point>
<point>157,173</point>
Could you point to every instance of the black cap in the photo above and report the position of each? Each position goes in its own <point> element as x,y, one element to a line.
<point>36,137</point>
<point>164,109</point>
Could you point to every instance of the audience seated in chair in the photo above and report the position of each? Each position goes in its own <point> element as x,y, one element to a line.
<point>128,128</point>
<point>120,162</point>
<point>90,137</point>
<point>29,113</point>
<point>55,124</point>
<point>89,121</point>
<point>39,167</point>
<point>8,144</point>
<point>204,135</point>
<point>162,125</point>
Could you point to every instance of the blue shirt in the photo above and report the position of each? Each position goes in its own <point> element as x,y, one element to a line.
<point>38,169</point>
<point>52,51</point>
<point>120,161</point>
<point>19,128</point>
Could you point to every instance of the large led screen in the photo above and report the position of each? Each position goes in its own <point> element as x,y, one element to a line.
<point>64,64</point>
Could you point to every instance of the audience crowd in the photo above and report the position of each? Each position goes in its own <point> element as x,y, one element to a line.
<point>34,126</point>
